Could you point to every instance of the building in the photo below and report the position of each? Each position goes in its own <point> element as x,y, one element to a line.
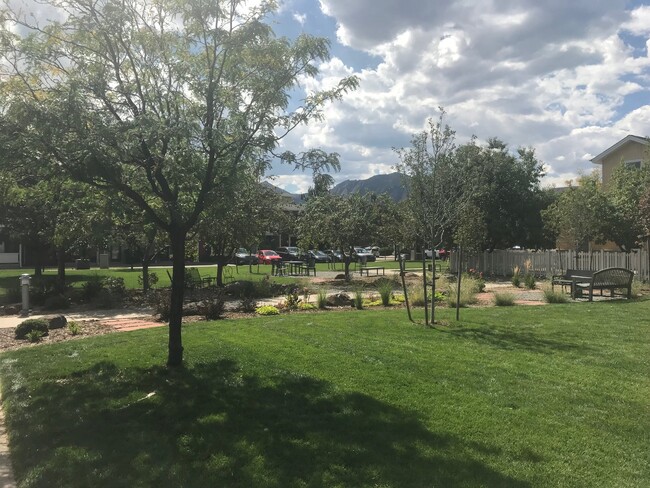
<point>631,151</point>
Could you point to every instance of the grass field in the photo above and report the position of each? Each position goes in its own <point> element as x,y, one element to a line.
<point>9,277</point>
<point>516,397</point>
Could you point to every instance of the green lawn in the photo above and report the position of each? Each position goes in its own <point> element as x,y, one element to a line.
<point>9,277</point>
<point>516,397</point>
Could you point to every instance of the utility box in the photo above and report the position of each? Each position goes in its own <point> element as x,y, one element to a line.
<point>104,261</point>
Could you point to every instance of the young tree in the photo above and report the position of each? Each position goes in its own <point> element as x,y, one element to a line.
<point>625,226</point>
<point>162,101</point>
<point>578,216</point>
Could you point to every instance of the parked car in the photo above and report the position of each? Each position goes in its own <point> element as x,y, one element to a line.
<point>267,256</point>
<point>289,253</point>
<point>440,253</point>
<point>318,256</point>
<point>375,251</point>
<point>243,256</point>
<point>363,254</point>
<point>335,255</point>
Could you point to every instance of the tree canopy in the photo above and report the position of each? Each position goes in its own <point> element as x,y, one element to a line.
<point>162,101</point>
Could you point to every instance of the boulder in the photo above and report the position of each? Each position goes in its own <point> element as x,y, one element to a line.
<point>12,309</point>
<point>339,300</point>
<point>56,322</point>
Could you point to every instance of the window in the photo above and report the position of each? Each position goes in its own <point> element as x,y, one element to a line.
<point>634,164</point>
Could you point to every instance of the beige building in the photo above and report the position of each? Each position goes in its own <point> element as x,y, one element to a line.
<point>631,151</point>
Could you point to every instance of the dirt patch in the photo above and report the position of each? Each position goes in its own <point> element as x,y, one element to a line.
<point>86,329</point>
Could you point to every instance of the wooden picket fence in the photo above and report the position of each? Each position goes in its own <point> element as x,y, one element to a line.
<point>547,263</point>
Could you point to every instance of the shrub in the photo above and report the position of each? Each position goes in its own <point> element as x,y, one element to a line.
<point>214,308</point>
<point>106,299</point>
<point>551,296</point>
<point>248,304</point>
<point>14,295</point>
<point>153,279</point>
<point>34,335</point>
<point>56,302</point>
<point>263,288</point>
<point>307,306</point>
<point>292,300</point>
<point>321,298</point>
<point>467,293</point>
<point>358,299</point>
<point>161,301</point>
<point>416,295</point>
<point>91,288</point>
<point>516,277</point>
<point>529,281</point>
<point>267,310</point>
<point>29,325</point>
<point>504,299</point>
<point>385,288</point>
<point>115,285</point>
<point>74,328</point>
<point>477,276</point>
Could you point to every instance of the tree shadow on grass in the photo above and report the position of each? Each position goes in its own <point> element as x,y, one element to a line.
<point>210,425</point>
<point>516,339</point>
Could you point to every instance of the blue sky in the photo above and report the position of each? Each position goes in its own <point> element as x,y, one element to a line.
<point>567,78</point>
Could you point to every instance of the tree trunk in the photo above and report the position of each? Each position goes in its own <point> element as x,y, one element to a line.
<point>175,354</point>
<point>348,260</point>
<point>433,286</point>
<point>38,260</point>
<point>424,285</point>
<point>145,274</point>
<point>60,262</point>
<point>221,262</point>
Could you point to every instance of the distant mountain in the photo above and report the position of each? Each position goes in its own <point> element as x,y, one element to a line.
<point>390,184</point>
<point>378,184</point>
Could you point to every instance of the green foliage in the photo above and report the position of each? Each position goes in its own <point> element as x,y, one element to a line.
<point>529,281</point>
<point>551,296</point>
<point>213,308</point>
<point>29,325</point>
<point>416,295</point>
<point>74,328</point>
<point>247,304</point>
<point>468,287</point>
<point>385,288</point>
<point>263,288</point>
<point>306,306</point>
<point>321,298</point>
<point>34,335</point>
<point>578,215</point>
<point>153,279</point>
<point>267,310</point>
<point>56,302</point>
<point>91,288</point>
<point>504,299</point>
<point>161,301</point>
<point>358,298</point>
<point>13,295</point>
<point>292,300</point>
<point>516,277</point>
<point>625,194</point>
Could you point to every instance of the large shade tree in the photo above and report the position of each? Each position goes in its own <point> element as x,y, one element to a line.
<point>162,101</point>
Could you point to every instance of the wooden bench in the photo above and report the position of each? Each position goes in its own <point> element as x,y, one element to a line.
<point>606,279</point>
<point>308,267</point>
<point>567,279</point>
<point>368,269</point>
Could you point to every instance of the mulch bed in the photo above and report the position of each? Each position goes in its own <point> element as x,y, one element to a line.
<point>87,329</point>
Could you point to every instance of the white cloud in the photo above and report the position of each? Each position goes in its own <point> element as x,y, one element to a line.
<point>552,75</point>
<point>300,18</point>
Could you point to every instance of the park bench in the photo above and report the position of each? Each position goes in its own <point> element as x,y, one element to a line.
<point>606,279</point>
<point>193,279</point>
<point>368,269</point>
<point>567,279</point>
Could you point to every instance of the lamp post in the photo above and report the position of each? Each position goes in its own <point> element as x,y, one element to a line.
<point>25,281</point>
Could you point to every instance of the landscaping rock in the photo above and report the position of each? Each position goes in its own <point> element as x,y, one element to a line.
<point>56,322</point>
<point>339,300</point>
<point>12,309</point>
<point>340,276</point>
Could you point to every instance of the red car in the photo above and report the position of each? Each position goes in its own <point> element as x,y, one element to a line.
<point>266,256</point>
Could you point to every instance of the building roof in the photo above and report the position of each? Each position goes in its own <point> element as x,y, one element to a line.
<point>627,139</point>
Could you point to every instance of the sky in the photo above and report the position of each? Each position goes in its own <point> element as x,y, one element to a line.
<point>568,78</point>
